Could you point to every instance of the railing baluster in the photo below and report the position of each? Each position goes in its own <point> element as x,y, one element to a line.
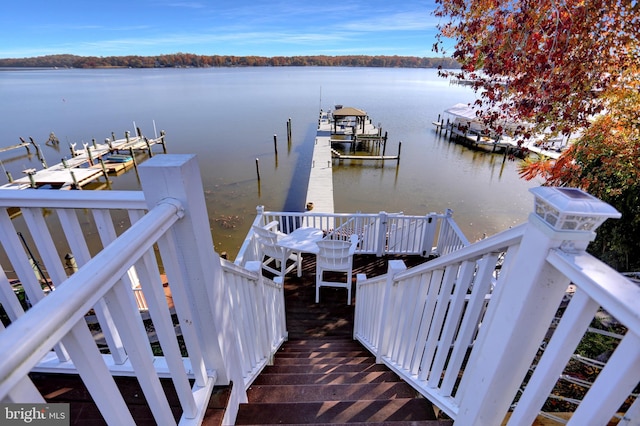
<point>183,308</point>
<point>78,246</point>
<point>465,275</point>
<point>136,342</point>
<point>577,316</point>
<point>161,316</point>
<point>470,320</point>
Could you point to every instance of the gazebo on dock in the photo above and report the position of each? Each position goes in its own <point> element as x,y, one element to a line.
<point>342,113</point>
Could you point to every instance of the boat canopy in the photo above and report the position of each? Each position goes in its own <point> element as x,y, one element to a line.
<point>349,112</point>
<point>463,111</point>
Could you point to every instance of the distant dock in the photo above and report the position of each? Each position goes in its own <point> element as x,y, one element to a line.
<point>86,164</point>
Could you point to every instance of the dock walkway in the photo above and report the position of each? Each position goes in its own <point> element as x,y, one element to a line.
<point>320,190</point>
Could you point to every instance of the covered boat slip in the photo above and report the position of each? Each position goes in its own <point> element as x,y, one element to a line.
<point>464,124</point>
<point>342,122</point>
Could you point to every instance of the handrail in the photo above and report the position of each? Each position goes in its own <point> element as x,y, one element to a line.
<point>105,282</point>
<point>494,243</point>
<point>452,326</point>
<point>613,291</point>
<point>73,199</point>
<point>67,305</point>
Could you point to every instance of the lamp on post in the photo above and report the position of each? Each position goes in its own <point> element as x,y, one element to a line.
<point>571,210</point>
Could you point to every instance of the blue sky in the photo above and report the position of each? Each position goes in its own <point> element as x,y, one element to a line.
<point>217,27</point>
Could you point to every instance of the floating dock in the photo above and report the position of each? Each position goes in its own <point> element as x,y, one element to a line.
<point>86,164</point>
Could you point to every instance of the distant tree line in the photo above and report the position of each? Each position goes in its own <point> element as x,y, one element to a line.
<point>180,60</point>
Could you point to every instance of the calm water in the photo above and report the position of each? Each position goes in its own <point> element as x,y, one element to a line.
<point>228,118</point>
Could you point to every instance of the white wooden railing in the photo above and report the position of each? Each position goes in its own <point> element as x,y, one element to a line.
<point>466,329</point>
<point>258,313</point>
<point>380,234</point>
<point>122,241</point>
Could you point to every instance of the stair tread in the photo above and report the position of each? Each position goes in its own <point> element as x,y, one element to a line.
<point>333,392</point>
<point>324,360</point>
<point>322,368</point>
<point>380,376</point>
<point>337,411</point>
<point>323,354</point>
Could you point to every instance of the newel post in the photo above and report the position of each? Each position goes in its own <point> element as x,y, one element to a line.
<point>394,268</point>
<point>178,176</point>
<point>525,301</point>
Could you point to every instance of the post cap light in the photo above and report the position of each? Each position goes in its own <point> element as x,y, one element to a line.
<point>571,209</point>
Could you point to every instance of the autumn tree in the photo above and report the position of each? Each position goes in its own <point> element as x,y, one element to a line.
<point>562,66</point>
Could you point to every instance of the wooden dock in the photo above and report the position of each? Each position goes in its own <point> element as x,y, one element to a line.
<point>320,190</point>
<point>86,164</point>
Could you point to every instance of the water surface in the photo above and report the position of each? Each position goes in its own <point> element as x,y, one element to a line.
<point>228,116</point>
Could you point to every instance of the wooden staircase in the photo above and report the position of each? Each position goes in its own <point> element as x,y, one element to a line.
<point>321,375</point>
<point>332,380</point>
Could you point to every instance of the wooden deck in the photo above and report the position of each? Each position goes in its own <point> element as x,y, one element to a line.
<point>305,320</point>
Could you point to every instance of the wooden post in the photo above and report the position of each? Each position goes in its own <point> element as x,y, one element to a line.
<point>113,136</point>
<point>289,131</point>
<point>104,169</point>
<point>275,143</point>
<point>126,136</point>
<point>399,149</point>
<point>133,156</point>
<point>148,146</point>
<point>25,144</point>
<point>9,177</point>
<point>64,163</point>
<point>258,168</point>
<point>162,141</point>
<point>108,142</point>
<point>88,149</point>
<point>75,181</point>
<point>94,143</point>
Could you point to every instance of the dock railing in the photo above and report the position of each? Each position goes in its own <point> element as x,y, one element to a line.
<point>122,240</point>
<point>380,234</point>
<point>471,329</point>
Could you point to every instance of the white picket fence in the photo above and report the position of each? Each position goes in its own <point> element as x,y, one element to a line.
<point>466,329</point>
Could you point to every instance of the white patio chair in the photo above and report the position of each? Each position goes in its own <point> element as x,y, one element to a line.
<point>274,258</point>
<point>335,256</point>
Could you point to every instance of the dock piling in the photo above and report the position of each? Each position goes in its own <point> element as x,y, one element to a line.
<point>75,180</point>
<point>275,143</point>
<point>104,169</point>
<point>133,156</point>
<point>162,141</point>
<point>148,147</point>
<point>258,168</point>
